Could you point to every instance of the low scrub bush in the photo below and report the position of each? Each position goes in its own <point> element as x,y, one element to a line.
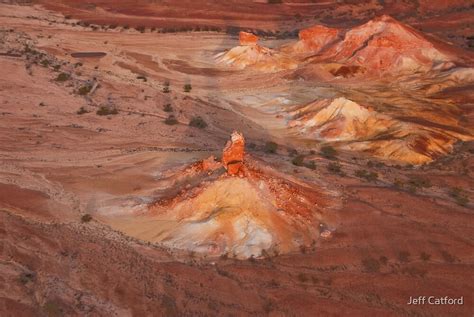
<point>45,63</point>
<point>105,111</point>
<point>370,265</point>
<point>82,110</point>
<point>86,218</point>
<point>298,160</point>
<point>168,108</point>
<point>63,77</point>
<point>419,182</point>
<point>459,196</point>
<point>198,122</point>
<point>171,120</point>
<point>425,256</point>
<point>166,88</point>
<point>404,256</point>
<point>311,165</point>
<point>328,152</point>
<point>447,257</point>
<point>84,90</point>
<point>270,147</point>
<point>335,168</point>
<point>187,88</point>
<point>369,176</point>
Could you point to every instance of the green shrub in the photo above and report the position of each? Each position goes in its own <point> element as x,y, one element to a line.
<point>311,165</point>
<point>63,77</point>
<point>84,90</point>
<point>335,168</point>
<point>187,88</point>
<point>425,256</point>
<point>168,108</point>
<point>105,111</point>
<point>171,120</point>
<point>270,147</point>
<point>166,88</point>
<point>303,278</point>
<point>369,176</point>
<point>298,160</point>
<point>459,196</point>
<point>82,110</point>
<point>447,257</point>
<point>86,218</point>
<point>142,78</point>
<point>292,152</point>
<point>52,309</point>
<point>397,183</point>
<point>419,182</point>
<point>27,277</point>
<point>198,122</point>
<point>403,256</point>
<point>45,63</point>
<point>370,265</point>
<point>328,152</point>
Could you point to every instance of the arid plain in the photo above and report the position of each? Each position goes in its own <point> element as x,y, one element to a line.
<point>293,159</point>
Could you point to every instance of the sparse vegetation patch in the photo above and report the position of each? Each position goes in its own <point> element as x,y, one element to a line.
<point>166,87</point>
<point>84,90</point>
<point>198,122</point>
<point>328,152</point>
<point>105,111</point>
<point>86,218</point>
<point>370,265</point>
<point>368,176</point>
<point>459,196</point>
<point>335,168</point>
<point>168,108</point>
<point>171,120</point>
<point>82,110</point>
<point>270,147</point>
<point>63,77</point>
<point>298,160</point>
<point>187,88</point>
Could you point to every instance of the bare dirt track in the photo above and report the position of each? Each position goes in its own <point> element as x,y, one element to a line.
<point>99,141</point>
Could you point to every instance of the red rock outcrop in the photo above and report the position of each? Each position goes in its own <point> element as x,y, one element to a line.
<point>247,39</point>
<point>386,44</point>
<point>318,36</point>
<point>233,153</point>
<point>313,40</point>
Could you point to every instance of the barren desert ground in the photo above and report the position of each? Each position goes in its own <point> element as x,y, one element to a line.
<point>241,158</point>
